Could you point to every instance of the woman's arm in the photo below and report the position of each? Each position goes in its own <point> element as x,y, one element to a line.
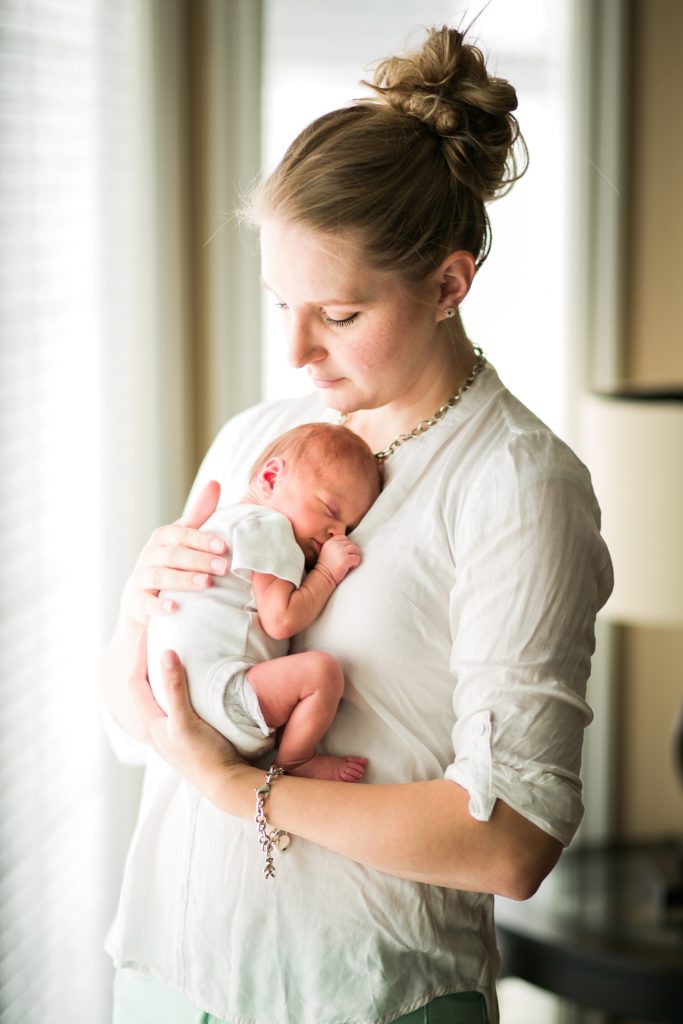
<point>176,557</point>
<point>421,830</point>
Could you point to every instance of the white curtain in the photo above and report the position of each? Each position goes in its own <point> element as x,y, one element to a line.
<point>77,446</point>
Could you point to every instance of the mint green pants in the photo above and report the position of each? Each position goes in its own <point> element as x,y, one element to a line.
<point>139,999</point>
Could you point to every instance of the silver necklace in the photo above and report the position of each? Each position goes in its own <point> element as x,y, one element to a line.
<point>425,425</point>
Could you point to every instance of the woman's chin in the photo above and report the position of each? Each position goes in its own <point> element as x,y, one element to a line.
<point>333,400</point>
<point>338,399</point>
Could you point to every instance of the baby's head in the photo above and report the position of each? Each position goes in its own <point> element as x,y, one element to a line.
<point>324,478</point>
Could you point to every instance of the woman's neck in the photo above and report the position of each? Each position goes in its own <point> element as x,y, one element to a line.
<point>378,427</point>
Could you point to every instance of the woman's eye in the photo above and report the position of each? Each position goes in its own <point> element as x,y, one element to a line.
<point>340,323</point>
<point>281,305</point>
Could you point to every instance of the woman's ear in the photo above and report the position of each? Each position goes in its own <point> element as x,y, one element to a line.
<point>267,477</point>
<point>454,278</point>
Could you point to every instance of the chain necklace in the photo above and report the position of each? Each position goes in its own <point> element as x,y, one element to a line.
<point>425,425</point>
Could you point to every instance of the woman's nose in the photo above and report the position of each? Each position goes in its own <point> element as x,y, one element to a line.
<point>302,347</point>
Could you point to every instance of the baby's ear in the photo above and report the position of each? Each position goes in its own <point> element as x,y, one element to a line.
<point>268,476</point>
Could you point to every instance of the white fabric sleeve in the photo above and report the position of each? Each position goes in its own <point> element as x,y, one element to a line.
<point>265,543</point>
<point>125,748</point>
<point>212,466</point>
<point>531,573</point>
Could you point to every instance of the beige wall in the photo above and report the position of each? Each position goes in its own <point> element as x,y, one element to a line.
<point>652,676</point>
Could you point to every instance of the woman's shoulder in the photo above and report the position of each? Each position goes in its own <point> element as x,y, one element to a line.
<point>526,482</point>
<point>266,420</point>
<point>516,443</point>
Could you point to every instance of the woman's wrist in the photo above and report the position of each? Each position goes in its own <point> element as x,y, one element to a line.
<point>231,787</point>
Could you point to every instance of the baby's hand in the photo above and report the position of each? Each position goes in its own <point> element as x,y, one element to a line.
<point>339,555</point>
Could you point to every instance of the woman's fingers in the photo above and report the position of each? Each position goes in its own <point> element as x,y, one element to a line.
<point>177,557</point>
<point>151,716</point>
<point>179,735</point>
<point>192,574</point>
<point>180,709</point>
<point>176,542</point>
<point>203,506</point>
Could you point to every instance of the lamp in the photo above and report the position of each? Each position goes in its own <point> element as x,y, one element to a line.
<point>632,442</point>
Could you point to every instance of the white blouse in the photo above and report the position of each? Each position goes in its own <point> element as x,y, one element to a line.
<point>465,636</point>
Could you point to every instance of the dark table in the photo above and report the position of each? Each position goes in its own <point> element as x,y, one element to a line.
<point>605,930</point>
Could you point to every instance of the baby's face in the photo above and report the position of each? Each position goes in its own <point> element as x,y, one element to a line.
<point>321,501</point>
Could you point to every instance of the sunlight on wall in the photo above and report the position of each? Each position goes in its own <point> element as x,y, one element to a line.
<point>71,151</point>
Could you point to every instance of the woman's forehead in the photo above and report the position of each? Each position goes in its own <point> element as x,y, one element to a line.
<point>309,266</point>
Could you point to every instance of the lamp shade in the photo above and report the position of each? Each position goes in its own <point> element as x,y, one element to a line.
<point>632,443</point>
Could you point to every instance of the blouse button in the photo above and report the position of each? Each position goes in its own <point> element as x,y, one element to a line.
<point>480,727</point>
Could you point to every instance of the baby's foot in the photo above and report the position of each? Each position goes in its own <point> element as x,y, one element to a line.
<point>330,768</point>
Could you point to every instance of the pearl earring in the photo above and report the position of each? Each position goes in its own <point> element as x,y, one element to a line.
<point>449,312</point>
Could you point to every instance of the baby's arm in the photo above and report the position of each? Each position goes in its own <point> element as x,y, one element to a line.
<point>285,609</point>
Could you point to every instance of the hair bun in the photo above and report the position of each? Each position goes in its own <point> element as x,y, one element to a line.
<point>446,86</point>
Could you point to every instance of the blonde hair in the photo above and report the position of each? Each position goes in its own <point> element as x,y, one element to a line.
<point>408,171</point>
<point>324,444</point>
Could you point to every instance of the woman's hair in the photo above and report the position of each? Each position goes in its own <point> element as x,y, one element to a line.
<point>324,444</point>
<point>408,171</point>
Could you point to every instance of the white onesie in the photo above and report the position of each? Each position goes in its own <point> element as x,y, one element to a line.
<point>217,633</point>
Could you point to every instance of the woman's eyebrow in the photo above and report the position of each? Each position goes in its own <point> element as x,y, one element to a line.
<point>348,301</point>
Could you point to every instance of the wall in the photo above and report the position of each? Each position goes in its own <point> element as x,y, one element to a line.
<point>651,795</point>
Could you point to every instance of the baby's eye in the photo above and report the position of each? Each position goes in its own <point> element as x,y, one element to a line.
<point>340,323</point>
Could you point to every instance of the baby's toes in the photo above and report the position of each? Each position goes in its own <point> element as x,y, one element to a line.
<point>354,769</point>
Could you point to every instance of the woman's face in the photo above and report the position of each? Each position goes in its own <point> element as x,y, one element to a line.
<point>366,339</point>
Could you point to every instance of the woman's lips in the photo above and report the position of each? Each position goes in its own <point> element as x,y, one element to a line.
<point>326,382</point>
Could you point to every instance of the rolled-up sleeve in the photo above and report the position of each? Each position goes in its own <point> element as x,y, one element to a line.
<point>531,573</point>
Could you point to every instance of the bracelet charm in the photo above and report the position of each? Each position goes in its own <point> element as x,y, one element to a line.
<point>278,838</point>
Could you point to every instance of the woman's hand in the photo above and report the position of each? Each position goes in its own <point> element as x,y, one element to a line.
<point>176,557</point>
<point>188,743</point>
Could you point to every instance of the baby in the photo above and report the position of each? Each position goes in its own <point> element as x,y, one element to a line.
<point>309,488</point>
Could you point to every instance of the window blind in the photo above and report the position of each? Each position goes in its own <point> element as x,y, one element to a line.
<point>76,447</point>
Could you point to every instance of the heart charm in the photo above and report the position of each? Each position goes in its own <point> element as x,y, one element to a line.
<point>280,838</point>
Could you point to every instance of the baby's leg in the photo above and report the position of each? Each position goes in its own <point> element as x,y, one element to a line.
<point>302,692</point>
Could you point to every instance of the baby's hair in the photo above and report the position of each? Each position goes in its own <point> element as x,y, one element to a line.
<point>323,444</point>
<point>407,172</point>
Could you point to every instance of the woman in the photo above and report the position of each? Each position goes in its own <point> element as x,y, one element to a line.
<point>465,634</point>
